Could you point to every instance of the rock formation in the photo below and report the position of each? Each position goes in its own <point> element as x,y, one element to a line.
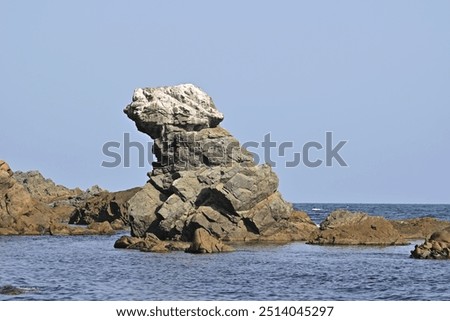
<point>202,177</point>
<point>24,209</point>
<point>76,206</point>
<point>419,228</point>
<point>203,242</point>
<point>343,227</point>
<point>436,247</point>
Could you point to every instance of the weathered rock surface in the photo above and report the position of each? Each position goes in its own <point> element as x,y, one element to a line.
<point>149,243</point>
<point>44,189</point>
<point>419,228</point>
<point>203,242</point>
<point>24,209</point>
<point>104,206</point>
<point>436,247</point>
<point>343,227</point>
<point>76,206</point>
<point>19,212</point>
<point>202,178</point>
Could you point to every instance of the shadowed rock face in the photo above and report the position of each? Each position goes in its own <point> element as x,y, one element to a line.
<point>343,227</point>
<point>202,177</point>
<point>437,246</point>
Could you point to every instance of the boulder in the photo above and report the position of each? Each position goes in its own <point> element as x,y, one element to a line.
<point>343,227</point>
<point>419,228</point>
<point>202,177</point>
<point>5,168</point>
<point>203,242</point>
<point>437,246</point>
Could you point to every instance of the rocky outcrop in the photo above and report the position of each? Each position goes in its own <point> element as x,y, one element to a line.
<point>419,228</point>
<point>104,206</point>
<point>202,177</point>
<point>203,242</point>
<point>436,247</point>
<point>76,206</point>
<point>149,243</point>
<point>343,227</point>
<point>24,212</point>
<point>44,189</point>
<point>19,212</point>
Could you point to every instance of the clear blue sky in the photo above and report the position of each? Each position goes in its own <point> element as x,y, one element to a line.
<point>375,73</point>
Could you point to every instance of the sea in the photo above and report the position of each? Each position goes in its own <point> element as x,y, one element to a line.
<point>89,268</point>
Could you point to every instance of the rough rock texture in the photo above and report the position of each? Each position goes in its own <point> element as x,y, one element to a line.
<point>150,243</point>
<point>203,242</point>
<point>436,247</point>
<point>104,207</point>
<point>202,177</point>
<point>19,212</point>
<point>343,227</point>
<point>44,189</point>
<point>23,212</point>
<point>76,206</point>
<point>419,228</point>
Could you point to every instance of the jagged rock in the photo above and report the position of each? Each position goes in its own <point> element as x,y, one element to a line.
<point>343,227</point>
<point>149,244</point>
<point>419,228</point>
<point>436,247</point>
<point>104,206</point>
<point>204,242</point>
<point>202,178</point>
<point>5,167</point>
<point>44,189</point>
<point>19,212</point>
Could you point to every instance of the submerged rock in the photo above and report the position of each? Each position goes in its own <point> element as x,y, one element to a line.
<point>203,180</point>
<point>11,290</point>
<point>343,227</point>
<point>437,246</point>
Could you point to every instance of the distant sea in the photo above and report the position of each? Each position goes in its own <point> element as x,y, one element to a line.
<point>89,268</point>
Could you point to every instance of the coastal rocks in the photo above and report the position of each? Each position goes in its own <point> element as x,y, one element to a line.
<point>104,206</point>
<point>44,189</point>
<point>436,247</point>
<point>5,168</point>
<point>203,242</point>
<point>75,206</point>
<point>150,243</point>
<point>419,228</point>
<point>343,227</point>
<point>19,212</point>
<point>202,177</point>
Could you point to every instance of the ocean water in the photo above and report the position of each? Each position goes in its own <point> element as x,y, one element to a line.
<point>89,268</point>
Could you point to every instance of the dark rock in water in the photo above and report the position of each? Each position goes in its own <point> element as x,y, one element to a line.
<point>204,242</point>
<point>343,227</point>
<point>11,290</point>
<point>436,247</point>
<point>203,178</point>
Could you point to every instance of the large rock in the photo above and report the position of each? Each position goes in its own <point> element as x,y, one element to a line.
<point>20,213</point>
<point>203,242</point>
<point>343,227</point>
<point>202,177</point>
<point>104,206</point>
<point>76,206</point>
<point>437,246</point>
<point>419,228</point>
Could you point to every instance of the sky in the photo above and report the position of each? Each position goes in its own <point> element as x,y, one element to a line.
<point>373,73</point>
